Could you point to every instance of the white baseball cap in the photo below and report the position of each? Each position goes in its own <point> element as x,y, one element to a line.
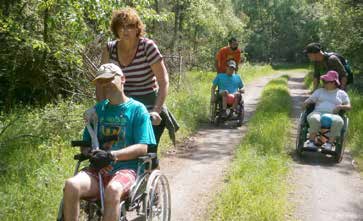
<point>107,71</point>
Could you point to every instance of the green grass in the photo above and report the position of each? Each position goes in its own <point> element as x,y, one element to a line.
<point>249,71</point>
<point>256,187</point>
<point>35,158</point>
<point>355,132</point>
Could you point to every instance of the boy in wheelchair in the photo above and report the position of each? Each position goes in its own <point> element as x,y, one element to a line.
<point>117,162</point>
<point>230,89</point>
<point>329,102</point>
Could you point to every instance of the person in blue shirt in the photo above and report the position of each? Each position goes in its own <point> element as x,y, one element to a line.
<point>117,160</point>
<point>230,87</point>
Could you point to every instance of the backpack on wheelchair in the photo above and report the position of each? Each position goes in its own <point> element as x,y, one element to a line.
<point>303,135</point>
<point>216,116</point>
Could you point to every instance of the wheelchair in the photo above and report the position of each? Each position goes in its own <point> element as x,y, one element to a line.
<point>303,135</point>
<point>149,196</point>
<point>216,111</point>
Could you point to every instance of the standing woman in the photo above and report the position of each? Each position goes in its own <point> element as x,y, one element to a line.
<point>139,58</point>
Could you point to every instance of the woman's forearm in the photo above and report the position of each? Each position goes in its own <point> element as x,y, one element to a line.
<point>162,78</point>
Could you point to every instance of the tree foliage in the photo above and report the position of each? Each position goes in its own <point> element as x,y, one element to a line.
<point>42,42</point>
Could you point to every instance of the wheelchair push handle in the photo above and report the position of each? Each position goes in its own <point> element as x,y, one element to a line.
<point>81,157</point>
<point>82,143</point>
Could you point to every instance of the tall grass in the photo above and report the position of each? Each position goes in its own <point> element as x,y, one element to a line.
<point>256,187</point>
<point>35,156</point>
<point>355,132</point>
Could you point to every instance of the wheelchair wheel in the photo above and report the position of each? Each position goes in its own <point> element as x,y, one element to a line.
<point>157,201</point>
<point>340,144</point>
<point>212,112</point>
<point>138,191</point>
<point>60,216</point>
<point>241,116</point>
<point>301,135</point>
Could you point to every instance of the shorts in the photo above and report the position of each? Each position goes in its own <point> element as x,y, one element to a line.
<point>125,177</point>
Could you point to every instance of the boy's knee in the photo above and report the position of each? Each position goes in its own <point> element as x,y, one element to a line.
<point>71,186</point>
<point>113,192</point>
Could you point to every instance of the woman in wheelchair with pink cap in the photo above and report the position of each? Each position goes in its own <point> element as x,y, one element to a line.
<point>329,101</point>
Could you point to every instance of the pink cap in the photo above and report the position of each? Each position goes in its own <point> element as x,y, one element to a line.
<point>331,76</point>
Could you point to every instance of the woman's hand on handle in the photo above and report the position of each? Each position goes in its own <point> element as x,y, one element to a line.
<point>155,118</point>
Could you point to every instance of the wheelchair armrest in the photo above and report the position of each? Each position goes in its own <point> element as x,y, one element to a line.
<point>81,157</point>
<point>147,156</point>
<point>342,113</point>
<point>310,108</point>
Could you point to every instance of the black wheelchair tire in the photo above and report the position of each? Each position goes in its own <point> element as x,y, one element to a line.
<point>218,121</point>
<point>60,216</point>
<point>340,145</point>
<point>212,112</point>
<point>300,136</point>
<point>339,151</point>
<point>241,116</point>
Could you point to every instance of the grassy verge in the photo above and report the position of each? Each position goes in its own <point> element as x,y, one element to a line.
<point>256,188</point>
<point>35,158</point>
<point>355,132</point>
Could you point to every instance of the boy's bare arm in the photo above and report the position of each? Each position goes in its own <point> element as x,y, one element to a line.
<point>130,152</point>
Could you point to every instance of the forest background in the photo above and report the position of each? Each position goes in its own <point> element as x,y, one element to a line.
<point>42,42</point>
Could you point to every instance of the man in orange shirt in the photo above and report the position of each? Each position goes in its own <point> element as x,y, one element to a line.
<point>230,52</point>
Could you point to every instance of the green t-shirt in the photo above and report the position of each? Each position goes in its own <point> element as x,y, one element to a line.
<point>130,121</point>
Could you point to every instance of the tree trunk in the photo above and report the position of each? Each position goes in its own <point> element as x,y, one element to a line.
<point>176,26</point>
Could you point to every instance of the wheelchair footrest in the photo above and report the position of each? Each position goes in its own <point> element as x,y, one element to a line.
<point>325,151</point>
<point>310,149</point>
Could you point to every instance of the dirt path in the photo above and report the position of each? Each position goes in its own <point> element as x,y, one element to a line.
<point>196,170</point>
<point>323,190</point>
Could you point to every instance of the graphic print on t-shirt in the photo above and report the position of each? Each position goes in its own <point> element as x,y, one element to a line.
<point>112,125</point>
